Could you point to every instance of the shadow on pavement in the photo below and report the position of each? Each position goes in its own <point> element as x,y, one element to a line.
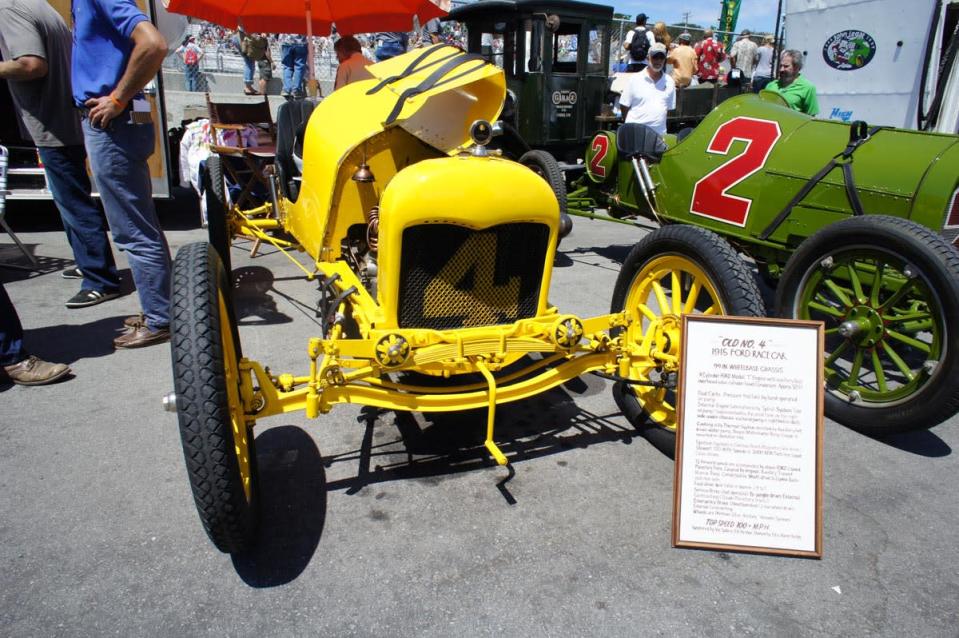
<point>250,299</point>
<point>433,445</point>
<point>67,343</point>
<point>292,492</point>
<point>14,266</point>
<point>615,252</point>
<point>920,442</point>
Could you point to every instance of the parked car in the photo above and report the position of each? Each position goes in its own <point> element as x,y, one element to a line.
<point>432,255</point>
<point>855,225</point>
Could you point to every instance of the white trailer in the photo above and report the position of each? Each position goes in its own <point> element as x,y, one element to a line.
<point>887,62</point>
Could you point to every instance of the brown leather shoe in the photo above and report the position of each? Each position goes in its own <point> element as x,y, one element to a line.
<point>135,321</point>
<point>140,336</point>
<point>34,371</point>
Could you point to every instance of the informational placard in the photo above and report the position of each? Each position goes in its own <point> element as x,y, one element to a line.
<point>749,442</point>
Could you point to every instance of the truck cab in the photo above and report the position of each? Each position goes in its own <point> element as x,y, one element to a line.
<point>555,57</point>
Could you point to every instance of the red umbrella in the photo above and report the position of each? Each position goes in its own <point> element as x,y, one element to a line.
<point>312,16</point>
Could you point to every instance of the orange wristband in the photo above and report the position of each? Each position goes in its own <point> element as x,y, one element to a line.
<point>116,101</point>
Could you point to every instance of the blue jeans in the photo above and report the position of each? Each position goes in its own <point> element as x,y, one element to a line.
<point>294,65</point>
<point>118,155</point>
<point>248,65</point>
<point>388,50</point>
<point>192,77</point>
<point>83,221</point>
<point>11,332</point>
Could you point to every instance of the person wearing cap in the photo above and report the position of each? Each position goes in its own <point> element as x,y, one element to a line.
<point>710,55</point>
<point>684,61</point>
<point>639,31</point>
<point>650,93</point>
<point>743,55</point>
<point>763,73</point>
<point>191,54</point>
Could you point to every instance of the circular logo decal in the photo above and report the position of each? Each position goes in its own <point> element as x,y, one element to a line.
<point>849,50</point>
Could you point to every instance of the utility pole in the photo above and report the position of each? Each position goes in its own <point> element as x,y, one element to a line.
<point>686,19</point>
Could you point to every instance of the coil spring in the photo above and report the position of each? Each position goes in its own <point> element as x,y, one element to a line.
<point>373,228</point>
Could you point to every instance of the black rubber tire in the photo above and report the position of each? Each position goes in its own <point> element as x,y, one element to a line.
<point>727,272</point>
<point>891,240</point>
<point>203,404</point>
<point>218,210</point>
<point>545,165</point>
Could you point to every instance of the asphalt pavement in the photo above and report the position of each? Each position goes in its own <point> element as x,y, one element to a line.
<point>378,523</point>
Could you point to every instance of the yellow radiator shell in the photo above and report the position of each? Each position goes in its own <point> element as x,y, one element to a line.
<point>468,191</point>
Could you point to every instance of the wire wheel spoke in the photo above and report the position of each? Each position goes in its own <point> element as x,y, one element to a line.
<point>692,297</point>
<point>856,283</point>
<point>876,286</point>
<point>909,341</point>
<point>909,316</point>
<point>826,310</point>
<point>647,312</point>
<point>880,372</point>
<point>856,367</point>
<point>897,360</point>
<point>836,353</point>
<point>661,298</point>
<point>677,292</point>
<point>837,291</point>
<point>898,295</point>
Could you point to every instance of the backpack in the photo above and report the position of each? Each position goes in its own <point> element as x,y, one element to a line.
<point>639,45</point>
<point>190,56</point>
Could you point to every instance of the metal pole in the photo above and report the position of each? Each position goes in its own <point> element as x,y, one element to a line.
<point>777,44</point>
<point>312,87</point>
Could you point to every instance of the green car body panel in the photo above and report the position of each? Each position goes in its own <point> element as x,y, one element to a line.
<point>769,152</point>
<point>784,188</point>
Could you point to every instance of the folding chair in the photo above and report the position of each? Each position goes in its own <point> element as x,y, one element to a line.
<point>4,158</point>
<point>247,171</point>
<point>244,165</point>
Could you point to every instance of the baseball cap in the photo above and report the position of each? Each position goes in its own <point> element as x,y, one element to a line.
<point>657,49</point>
<point>641,17</point>
<point>685,37</point>
<point>746,32</point>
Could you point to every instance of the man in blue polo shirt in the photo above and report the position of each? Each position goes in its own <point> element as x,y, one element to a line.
<point>116,52</point>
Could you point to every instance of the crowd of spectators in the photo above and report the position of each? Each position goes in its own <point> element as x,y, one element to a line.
<point>260,56</point>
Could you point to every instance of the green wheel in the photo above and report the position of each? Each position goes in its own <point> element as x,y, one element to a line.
<point>673,271</point>
<point>887,290</point>
<point>216,433</point>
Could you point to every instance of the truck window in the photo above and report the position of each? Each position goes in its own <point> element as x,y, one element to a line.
<point>594,54</point>
<point>498,46</point>
<point>566,48</point>
<point>533,50</point>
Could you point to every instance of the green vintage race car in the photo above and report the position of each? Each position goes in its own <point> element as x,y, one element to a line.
<point>853,225</point>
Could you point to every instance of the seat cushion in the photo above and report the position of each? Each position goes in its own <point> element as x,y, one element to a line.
<point>639,140</point>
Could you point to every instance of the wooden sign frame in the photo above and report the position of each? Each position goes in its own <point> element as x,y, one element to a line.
<point>709,531</point>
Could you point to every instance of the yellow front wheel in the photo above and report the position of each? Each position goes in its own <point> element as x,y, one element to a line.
<point>673,271</point>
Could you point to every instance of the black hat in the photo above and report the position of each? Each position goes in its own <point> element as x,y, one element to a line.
<point>640,18</point>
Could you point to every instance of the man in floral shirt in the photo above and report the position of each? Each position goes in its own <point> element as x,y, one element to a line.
<point>710,54</point>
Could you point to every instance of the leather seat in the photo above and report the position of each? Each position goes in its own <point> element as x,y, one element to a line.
<point>639,140</point>
<point>291,120</point>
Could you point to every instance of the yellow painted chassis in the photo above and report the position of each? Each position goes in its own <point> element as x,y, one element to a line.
<point>423,159</point>
<point>350,370</point>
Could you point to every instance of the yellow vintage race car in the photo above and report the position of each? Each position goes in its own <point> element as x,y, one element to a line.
<point>433,255</point>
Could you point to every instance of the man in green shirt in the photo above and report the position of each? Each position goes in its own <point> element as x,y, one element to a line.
<point>798,92</point>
